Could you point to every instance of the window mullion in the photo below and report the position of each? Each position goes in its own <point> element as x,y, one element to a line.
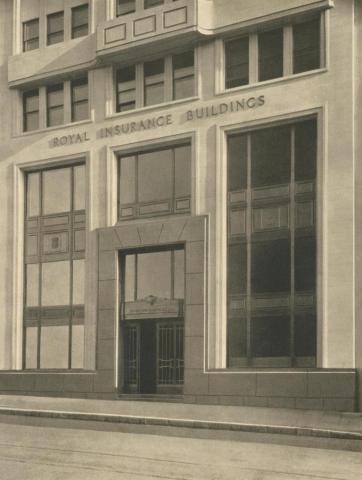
<point>288,50</point>
<point>168,79</point>
<point>67,24</point>
<point>248,250</point>
<point>253,58</point>
<point>42,108</point>
<point>140,85</point>
<point>323,32</point>
<point>67,99</point>
<point>292,247</point>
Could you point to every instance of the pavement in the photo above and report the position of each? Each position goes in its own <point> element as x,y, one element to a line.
<point>288,422</point>
<point>36,448</point>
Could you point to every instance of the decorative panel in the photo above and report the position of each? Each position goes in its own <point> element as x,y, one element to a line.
<point>183,204</point>
<point>79,240</point>
<point>237,222</point>
<point>237,196</point>
<point>114,34</point>
<point>270,218</point>
<point>270,302</point>
<point>304,214</point>
<point>269,192</point>
<point>175,17</point>
<point>154,208</point>
<point>144,25</point>
<point>31,245</point>
<point>56,242</point>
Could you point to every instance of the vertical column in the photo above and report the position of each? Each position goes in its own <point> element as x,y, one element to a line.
<point>253,58</point>
<point>288,50</point>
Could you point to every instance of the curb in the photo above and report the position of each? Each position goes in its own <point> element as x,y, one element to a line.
<point>186,423</point>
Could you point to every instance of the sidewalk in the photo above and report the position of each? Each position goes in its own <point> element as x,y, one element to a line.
<point>347,426</point>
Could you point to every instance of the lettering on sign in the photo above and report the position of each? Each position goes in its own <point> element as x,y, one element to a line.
<point>160,121</point>
<point>69,139</point>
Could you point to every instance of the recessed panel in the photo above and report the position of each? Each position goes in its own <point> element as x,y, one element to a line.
<point>54,347</point>
<point>55,283</point>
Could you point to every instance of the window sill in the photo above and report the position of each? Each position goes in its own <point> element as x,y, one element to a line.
<point>288,78</point>
<point>151,108</point>
<point>52,129</point>
<point>278,370</point>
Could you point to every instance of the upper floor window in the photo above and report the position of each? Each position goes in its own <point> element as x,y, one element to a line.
<point>55,105</point>
<point>31,110</point>
<point>152,3</point>
<point>80,21</point>
<point>55,28</point>
<point>80,109</point>
<point>125,6</point>
<point>155,182</point>
<point>166,79</point>
<point>31,35</point>
<point>63,103</point>
<point>275,53</point>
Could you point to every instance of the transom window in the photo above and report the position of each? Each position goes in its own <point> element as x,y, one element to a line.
<point>158,86</point>
<point>155,182</point>
<point>54,268</point>
<point>272,246</point>
<point>276,52</point>
<point>64,103</point>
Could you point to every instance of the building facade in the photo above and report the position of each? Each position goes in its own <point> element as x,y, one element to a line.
<point>181,199</point>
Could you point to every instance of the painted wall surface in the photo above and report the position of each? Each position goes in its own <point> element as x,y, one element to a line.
<point>330,92</point>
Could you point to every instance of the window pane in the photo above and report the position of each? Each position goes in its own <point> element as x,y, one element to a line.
<point>154,86</point>
<point>237,62</point>
<point>33,195</point>
<point>305,150</point>
<point>80,90</point>
<point>55,116</point>
<point>183,75</point>
<point>54,347</point>
<point>154,275</point>
<point>153,3</point>
<point>80,21</point>
<point>126,88</point>
<point>31,350</point>
<point>270,266</point>
<point>77,346</point>
<point>125,6</point>
<point>270,157</point>
<point>32,285</point>
<point>179,272</point>
<point>305,334</point>
<point>55,38</point>
<point>80,111</point>
<point>55,96</point>
<point>237,162</point>
<point>305,263</point>
<point>237,269</point>
<point>306,42</point>
<point>31,101</point>
<point>183,87</point>
<point>78,282</point>
<point>31,122</point>
<point>270,336</point>
<point>182,171</point>
<point>236,340</point>
<point>79,187</point>
<point>127,180</point>
<point>55,283</point>
<point>155,176</point>
<point>56,191</point>
<point>55,22</point>
<point>130,278</point>
<point>270,54</point>
<point>31,29</point>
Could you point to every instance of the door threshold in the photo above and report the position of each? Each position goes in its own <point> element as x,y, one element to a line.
<point>151,397</point>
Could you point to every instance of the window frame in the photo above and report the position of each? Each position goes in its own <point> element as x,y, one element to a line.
<point>50,34</point>
<point>287,59</point>
<point>74,28</point>
<point>51,89</point>
<point>26,95</point>
<point>172,210</point>
<point>74,83</point>
<point>140,82</point>
<point>288,121</point>
<point>25,41</point>
<point>32,226</point>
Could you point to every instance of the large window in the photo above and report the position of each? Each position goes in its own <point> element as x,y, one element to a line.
<point>155,182</point>
<point>55,105</point>
<point>31,35</point>
<point>54,268</point>
<point>55,28</point>
<point>272,246</point>
<point>277,52</point>
<point>80,109</point>
<point>158,86</point>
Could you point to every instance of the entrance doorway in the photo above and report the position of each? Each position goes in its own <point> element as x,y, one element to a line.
<point>153,356</point>
<point>152,324</point>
